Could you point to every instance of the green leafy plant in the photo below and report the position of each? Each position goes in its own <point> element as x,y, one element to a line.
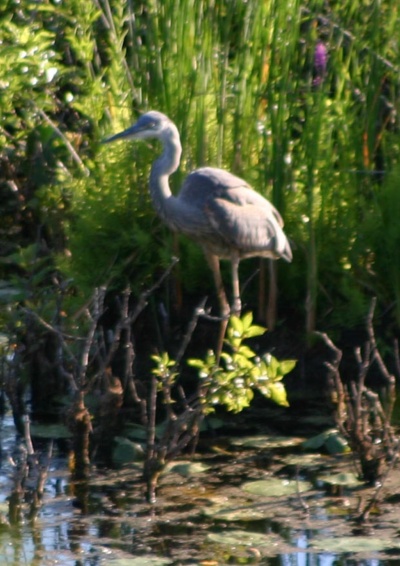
<point>245,88</point>
<point>232,384</point>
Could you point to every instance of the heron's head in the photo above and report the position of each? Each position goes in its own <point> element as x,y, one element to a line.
<point>153,124</point>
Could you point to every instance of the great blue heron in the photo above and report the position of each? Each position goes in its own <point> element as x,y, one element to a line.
<point>218,210</point>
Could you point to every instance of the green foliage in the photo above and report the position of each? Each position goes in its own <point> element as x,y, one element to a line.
<point>239,80</point>
<point>165,369</point>
<point>233,383</point>
<point>32,283</point>
<point>382,238</point>
<point>29,68</point>
<point>112,234</point>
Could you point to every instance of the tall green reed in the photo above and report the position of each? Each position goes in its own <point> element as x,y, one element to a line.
<point>237,78</point>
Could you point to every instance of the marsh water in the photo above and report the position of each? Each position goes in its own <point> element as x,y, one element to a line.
<point>241,499</point>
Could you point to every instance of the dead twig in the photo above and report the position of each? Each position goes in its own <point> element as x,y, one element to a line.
<point>364,515</point>
<point>360,415</point>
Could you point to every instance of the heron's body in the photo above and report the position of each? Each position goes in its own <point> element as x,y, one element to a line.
<point>218,210</point>
<point>235,219</point>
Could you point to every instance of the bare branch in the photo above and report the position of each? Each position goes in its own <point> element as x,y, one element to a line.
<point>98,302</point>
<point>198,312</point>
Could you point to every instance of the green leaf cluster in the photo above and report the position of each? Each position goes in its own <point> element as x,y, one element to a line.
<point>232,380</point>
<point>232,383</point>
<point>165,369</point>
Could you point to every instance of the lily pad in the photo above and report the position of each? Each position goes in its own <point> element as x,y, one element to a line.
<point>141,561</point>
<point>266,441</point>
<point>342,479</point>
<point>276,487</point>
<point>139,432</point>
<point>234,538</point>
<point>308,460</point>
<point>125,451</point>
<point>186,468</point>
<point>337,444</point>
<point>135,432</point>
<point>354,544</point>
<point>331,440</point>
<point>241,513</point>
<point>211,423</point>
<point>50,431</point>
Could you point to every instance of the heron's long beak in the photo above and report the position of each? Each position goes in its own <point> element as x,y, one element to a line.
<point>126,134</point>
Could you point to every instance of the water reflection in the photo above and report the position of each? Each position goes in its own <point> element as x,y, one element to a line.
<point>304,558</point>
<point>93,523</point>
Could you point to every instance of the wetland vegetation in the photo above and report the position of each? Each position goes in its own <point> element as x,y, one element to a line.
<point>106,340</point>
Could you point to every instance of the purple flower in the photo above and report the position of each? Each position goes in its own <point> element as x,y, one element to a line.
<point>320,62</point>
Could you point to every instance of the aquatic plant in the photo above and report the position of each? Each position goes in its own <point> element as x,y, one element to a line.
<point>228,380</point>
<point>364,415</point>
<point>233,382</point>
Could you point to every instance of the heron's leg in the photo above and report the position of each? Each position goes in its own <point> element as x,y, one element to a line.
<point>237,303</point>
<point>213,262</point>
<point>272,296</point>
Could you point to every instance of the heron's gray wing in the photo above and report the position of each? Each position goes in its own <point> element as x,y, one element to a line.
<point>247,223</point>
<point>210,182</point>
<point>233,214</point>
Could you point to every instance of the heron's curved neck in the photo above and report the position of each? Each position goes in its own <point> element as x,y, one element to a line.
<point>162,168</point>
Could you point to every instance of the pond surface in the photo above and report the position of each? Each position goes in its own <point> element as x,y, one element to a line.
<point>243,500</point>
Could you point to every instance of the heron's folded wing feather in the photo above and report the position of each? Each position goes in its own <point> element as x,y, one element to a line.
<point>248,227</point>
